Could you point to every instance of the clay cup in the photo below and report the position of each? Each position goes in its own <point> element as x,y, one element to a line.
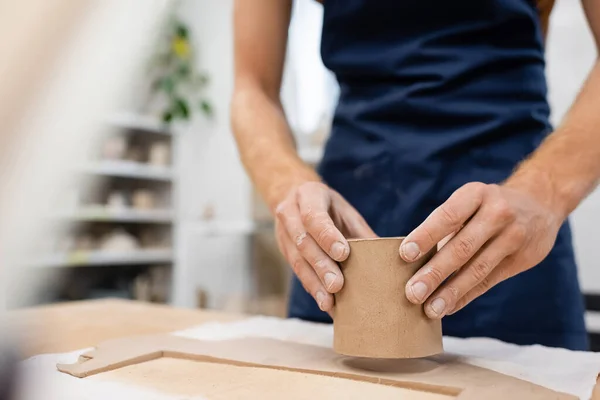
<point>372,316</point>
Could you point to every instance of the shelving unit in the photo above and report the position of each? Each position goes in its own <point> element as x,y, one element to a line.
<point>126,215</point>
<point>139,122</point>
<point>103,258</point>
<point>104,241</point>
<point>129,169</point>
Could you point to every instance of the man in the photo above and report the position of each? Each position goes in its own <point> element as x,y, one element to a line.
<point>442,132</point>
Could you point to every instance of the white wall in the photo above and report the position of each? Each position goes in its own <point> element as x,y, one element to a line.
<point>212,172</point>
<point>209,170</point>
<point>570,55</point>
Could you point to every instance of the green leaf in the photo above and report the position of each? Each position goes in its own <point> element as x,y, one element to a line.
<point>182,108</point>
<point>183,70</point>
<point>167,116</point>
<point>181,30</point>
<point>167,84</point>
<point>206,108</point>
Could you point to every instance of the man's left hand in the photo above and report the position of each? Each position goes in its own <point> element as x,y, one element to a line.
<point>487,233</point>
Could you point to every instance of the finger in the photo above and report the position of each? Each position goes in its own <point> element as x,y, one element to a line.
<point>499,274</point>
<point>327,270</point>
<point>355,224</point>
<point>456,253</point>
<point>281,238</point>
<point>308,277</point>
<point>473,283</point>
<point>314,211</point>
<point>445,240</point>
<point>475,272</point>
<point>443,221</point>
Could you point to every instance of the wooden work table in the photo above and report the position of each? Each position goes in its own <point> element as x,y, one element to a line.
<point>71,326</point>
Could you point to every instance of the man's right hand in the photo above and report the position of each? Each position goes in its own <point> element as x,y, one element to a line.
<point>311,226</point>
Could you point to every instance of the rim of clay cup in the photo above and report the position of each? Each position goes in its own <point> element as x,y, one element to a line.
<point>376,239</point>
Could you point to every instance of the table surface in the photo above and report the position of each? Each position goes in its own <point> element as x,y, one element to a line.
<point>65,327</point>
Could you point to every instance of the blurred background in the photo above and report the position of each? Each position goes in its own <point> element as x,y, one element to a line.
<point>122,178</point>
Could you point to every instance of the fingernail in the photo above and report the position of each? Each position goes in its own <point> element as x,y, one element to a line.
<point>419,290</point>
<point>410,251</point>
<point>438,305</point>
<point>320,299</point>
<point>329,279</point>
<point>338,251</point>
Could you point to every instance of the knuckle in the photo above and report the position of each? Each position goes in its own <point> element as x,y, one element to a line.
<point>300,241</point>
<point>281,210</point>
<point>464,248</point>
<point>454,293</point>
<point>477,188</point>
<point>435,275</point>
<point>326,235</point>
<point>518,234</point>
<point>502,210</point>
<point>307,215</point>
<point>320,264</point>
<point>481,269</point>
<point>312,217</point>
<point>427,233</point>
<point>297,265</point>
<point>449,215</point>
<point>484,285</point>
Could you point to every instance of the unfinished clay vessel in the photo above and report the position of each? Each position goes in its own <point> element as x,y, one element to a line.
<point>372,316</point>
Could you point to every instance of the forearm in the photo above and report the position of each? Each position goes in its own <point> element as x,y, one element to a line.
<point>266,145</point>
<point>566,167</point>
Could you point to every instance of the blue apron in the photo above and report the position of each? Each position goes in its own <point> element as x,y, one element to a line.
<point>435,94</point>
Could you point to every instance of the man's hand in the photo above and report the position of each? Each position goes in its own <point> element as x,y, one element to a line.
<point>311,227</point>
<point>491,232</point>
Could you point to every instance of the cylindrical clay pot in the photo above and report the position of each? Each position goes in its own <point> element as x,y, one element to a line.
<point>372,316</point>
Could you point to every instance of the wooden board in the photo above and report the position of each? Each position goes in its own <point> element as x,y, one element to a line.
<point>184,379</point>
<point>67,327</point>
<point>443,375</point>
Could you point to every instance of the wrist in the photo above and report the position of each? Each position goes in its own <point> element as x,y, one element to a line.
<point>281,186</point>
<point>541,185</point>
